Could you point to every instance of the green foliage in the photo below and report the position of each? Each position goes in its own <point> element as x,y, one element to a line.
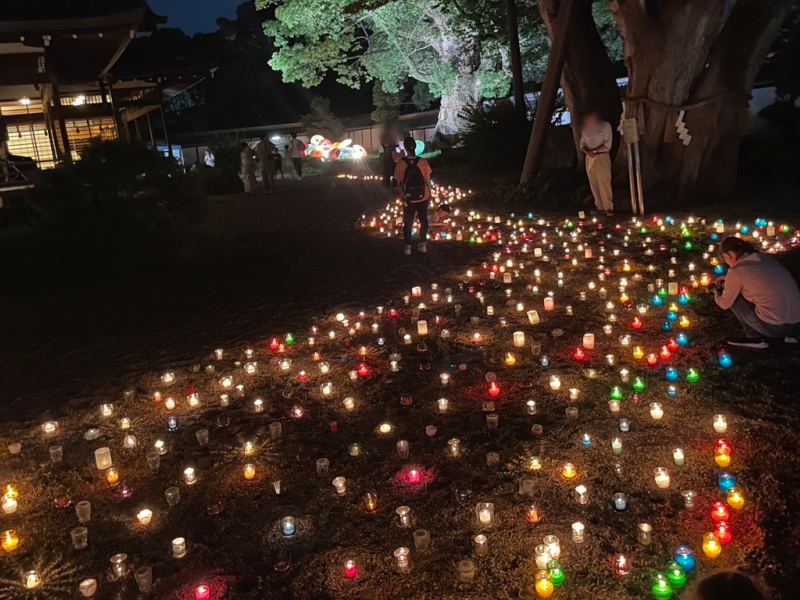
<point>421,96</point>
<point>387,104</point>
<point>322,121</point>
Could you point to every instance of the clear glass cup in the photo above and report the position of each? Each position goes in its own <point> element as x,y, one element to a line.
<point>422,539</point>
<point>144,578</point>
<point>56,454</point>
<point>202,437</point>
<point>80,537</point>
<point>323,464</point>
<point>173,495</point>
<point>84,511</point>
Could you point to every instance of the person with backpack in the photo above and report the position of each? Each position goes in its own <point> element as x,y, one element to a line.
<point>296,154</point>
<point>413,175</point>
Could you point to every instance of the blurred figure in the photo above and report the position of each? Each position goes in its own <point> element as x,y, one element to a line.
<point>596,139</point>
<point>728,585</point>
<point>286,161</point>
<point>209,159</point>
<point>389,145</point>
<point>296,154</point>
<point>266,152</point>
<point>248,169</point>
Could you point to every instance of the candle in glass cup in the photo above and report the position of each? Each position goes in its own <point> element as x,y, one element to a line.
<point>720,424</point>
<point>401,556</point>
<point>403,516</point>
<point>112,476</point>
<point>179,547</point>
<point>644,533</point>
<point>349,404</point>
<point>553,546</point>
<point>288,526</point>
<point>533,317</point>
<point>543,583</point>
<point>249,471</point>
<point>588,341</point>
<point>711,546</point>
<point>485,513</point>
<point>678,457</point>
<point>533,513</point>
<point>402,448</point>
<point>350,568</point>
<point>9,540</point>
<point>189,476</point>
<point>340,485</point>
<point>88,587</point>
<point>481,544</point>
<point>542,556</point>
<point>568,471</point>
<point>735,498</point>
<point>144,516</point>
<point>32,580</point>
<point>622,565</point>
<point>656,411</point>
<point>620,501</point>
<point>582,494</point>
<point>549,303</point>
<point>578,532</point>
<point>519,339</point>
<point>661,476</point>
<point>616,446</point>
<point>102,458</point>
<point>119,565</point>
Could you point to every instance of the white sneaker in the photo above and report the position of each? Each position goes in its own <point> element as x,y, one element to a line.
<point>407,250</point>
<point>423,247</point>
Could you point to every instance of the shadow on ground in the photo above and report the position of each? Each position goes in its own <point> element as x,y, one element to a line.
<point>279,259</point>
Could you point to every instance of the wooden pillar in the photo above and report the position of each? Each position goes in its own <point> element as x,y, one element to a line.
<point>516,58</point>
<point>62,124</point>
<point>163,118</point>
<point>150,127</point>
<point>547,98</point>
<point>138,131</point>
<point>114,112</point>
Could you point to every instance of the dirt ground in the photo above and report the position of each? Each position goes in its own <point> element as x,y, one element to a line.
<point>281,258</point>
<point>294,260</point>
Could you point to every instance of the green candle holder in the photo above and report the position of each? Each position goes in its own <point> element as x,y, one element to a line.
<point>661,587</point>
<point>556,572</point>
<point>676,575</point>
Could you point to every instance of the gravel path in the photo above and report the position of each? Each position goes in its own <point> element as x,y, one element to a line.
<point>278,260</point>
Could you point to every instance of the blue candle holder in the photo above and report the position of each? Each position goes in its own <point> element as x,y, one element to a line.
<point>682,340</point>
<point>672,374</point>
<point>620,502</point>
<point>685,557</point>
<point>672,391</point>
<point>727,480</point>
<point>666,326</point>
<point>672,316</point>
<point>288,526</point>
<point>657,300</point>
<point>624,425</point>
<point>725,360</point>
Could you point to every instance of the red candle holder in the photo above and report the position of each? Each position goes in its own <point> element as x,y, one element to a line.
<point>494,390</point>
<point>413,476</point>
<point>202,592</point>
<point>637,323</point>
<point>350,569</point>
<point>665,353</point>
<point>723,532</point>
<point>579,354</point>
<point>274,344</point>
<point>363,370</point>
<point>719,512</point>
<point>673,346</point>
<point>652,360</point>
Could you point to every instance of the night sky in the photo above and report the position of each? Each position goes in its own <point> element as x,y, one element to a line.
<point>195,16</point>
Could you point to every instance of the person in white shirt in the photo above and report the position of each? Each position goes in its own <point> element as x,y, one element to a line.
<point>596,140</point>
<point>296,154</point>
<point>760,293</point>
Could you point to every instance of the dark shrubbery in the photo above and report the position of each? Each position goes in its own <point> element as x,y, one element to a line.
<point>119,202</point>
<point>495,137</point>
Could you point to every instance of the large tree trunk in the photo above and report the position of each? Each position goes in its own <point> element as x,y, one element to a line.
<point>588,77</point>
<point>462,94</point>
<point>693,56</point>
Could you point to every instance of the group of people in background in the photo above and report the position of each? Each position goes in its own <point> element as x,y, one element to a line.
<point>286,163</point>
